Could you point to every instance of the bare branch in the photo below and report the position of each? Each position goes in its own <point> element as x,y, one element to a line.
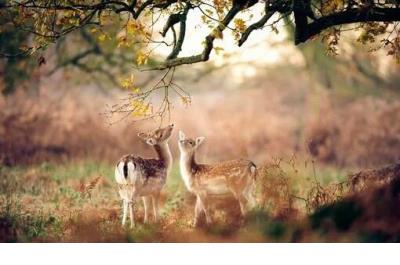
<point>208,44</point>
<point>257,25</point>
<point>182,31</point>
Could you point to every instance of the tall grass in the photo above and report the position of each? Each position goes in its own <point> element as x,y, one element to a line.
<point>78,202</point>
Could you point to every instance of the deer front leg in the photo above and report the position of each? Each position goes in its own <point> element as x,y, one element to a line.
<point>146,209</point>
<point>204,207</point>
<point>197,211</point>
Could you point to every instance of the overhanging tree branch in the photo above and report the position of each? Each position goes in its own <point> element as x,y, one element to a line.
<point>269,12</point>
<point>208,44</point>
<point>354,15</point>
<point>311,17</point>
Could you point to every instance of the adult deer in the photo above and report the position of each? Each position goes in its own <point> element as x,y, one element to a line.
<point>235,177</point>
<point>140,177</point>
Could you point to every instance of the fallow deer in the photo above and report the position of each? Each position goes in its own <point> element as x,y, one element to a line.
<point>139,177</point>
<point>235,177</point>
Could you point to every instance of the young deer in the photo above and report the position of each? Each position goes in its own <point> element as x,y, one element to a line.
<point>137,176</point>
<point>235,177</point>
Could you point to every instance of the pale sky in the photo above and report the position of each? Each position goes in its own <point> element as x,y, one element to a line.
<point>262,47</point>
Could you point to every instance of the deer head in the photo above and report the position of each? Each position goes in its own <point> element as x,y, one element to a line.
<point>158,136</point>
<point>187,145</point>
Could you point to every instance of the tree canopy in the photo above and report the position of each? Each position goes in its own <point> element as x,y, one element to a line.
<point>51,20</point>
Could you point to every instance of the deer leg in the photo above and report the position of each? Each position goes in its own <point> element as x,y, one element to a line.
<point>125,210</point>
<point>131,216</point>
<point>250,196</point>
<point>241,199</point>
<point>204,206</point>
<point>251,193</point>
<point>154,199</point>
<point>242,203</point>
<point>146,208</point>
<point>198,209</point>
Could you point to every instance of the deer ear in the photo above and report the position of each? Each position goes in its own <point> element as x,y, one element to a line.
<point>182,136</point>
<point>151,141</point>
<point>199,140</point>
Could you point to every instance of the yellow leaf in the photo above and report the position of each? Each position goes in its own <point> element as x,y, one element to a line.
<point>240,25</point>
<point>218,34</point>
<point>186,101</point>
<point>132,26</point>
<point>128,82</point>
<point>136,90</point>
<point>218,50</point>
<point>102,37</point>
<point>140,108</point>
<point>123,42</point>
<point>141,58</point>
<point>125,83</point>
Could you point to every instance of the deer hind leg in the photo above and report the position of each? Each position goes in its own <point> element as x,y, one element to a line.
<point>146,204</point>
<point>241,198</point>
<point>249,193</point>
<point>125,210</point>
<point>242,203</point>
<point>154,199</point>
<point>131,216</point>
<point>251,187</point>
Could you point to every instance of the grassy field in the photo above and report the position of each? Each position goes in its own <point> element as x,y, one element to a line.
<point>78,202</point>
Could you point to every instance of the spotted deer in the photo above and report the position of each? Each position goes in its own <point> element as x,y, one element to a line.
<point>140,177</point>
<point>236,177</point>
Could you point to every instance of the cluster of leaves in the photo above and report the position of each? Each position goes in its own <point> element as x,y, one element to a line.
<point>332,6</point>
<point>394,47</point>
<point>331,40</point>
<point>370,31</point>
<point>100,47</point>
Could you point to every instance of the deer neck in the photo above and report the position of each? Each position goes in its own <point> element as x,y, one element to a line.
<point>188,166</point>
<point>164,154</point>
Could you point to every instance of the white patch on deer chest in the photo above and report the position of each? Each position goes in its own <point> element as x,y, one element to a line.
<point>186,173</point>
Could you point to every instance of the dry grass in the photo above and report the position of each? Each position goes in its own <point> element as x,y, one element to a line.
<point>33,130</point>
<point>362,133</point>
<point>78,202</point>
